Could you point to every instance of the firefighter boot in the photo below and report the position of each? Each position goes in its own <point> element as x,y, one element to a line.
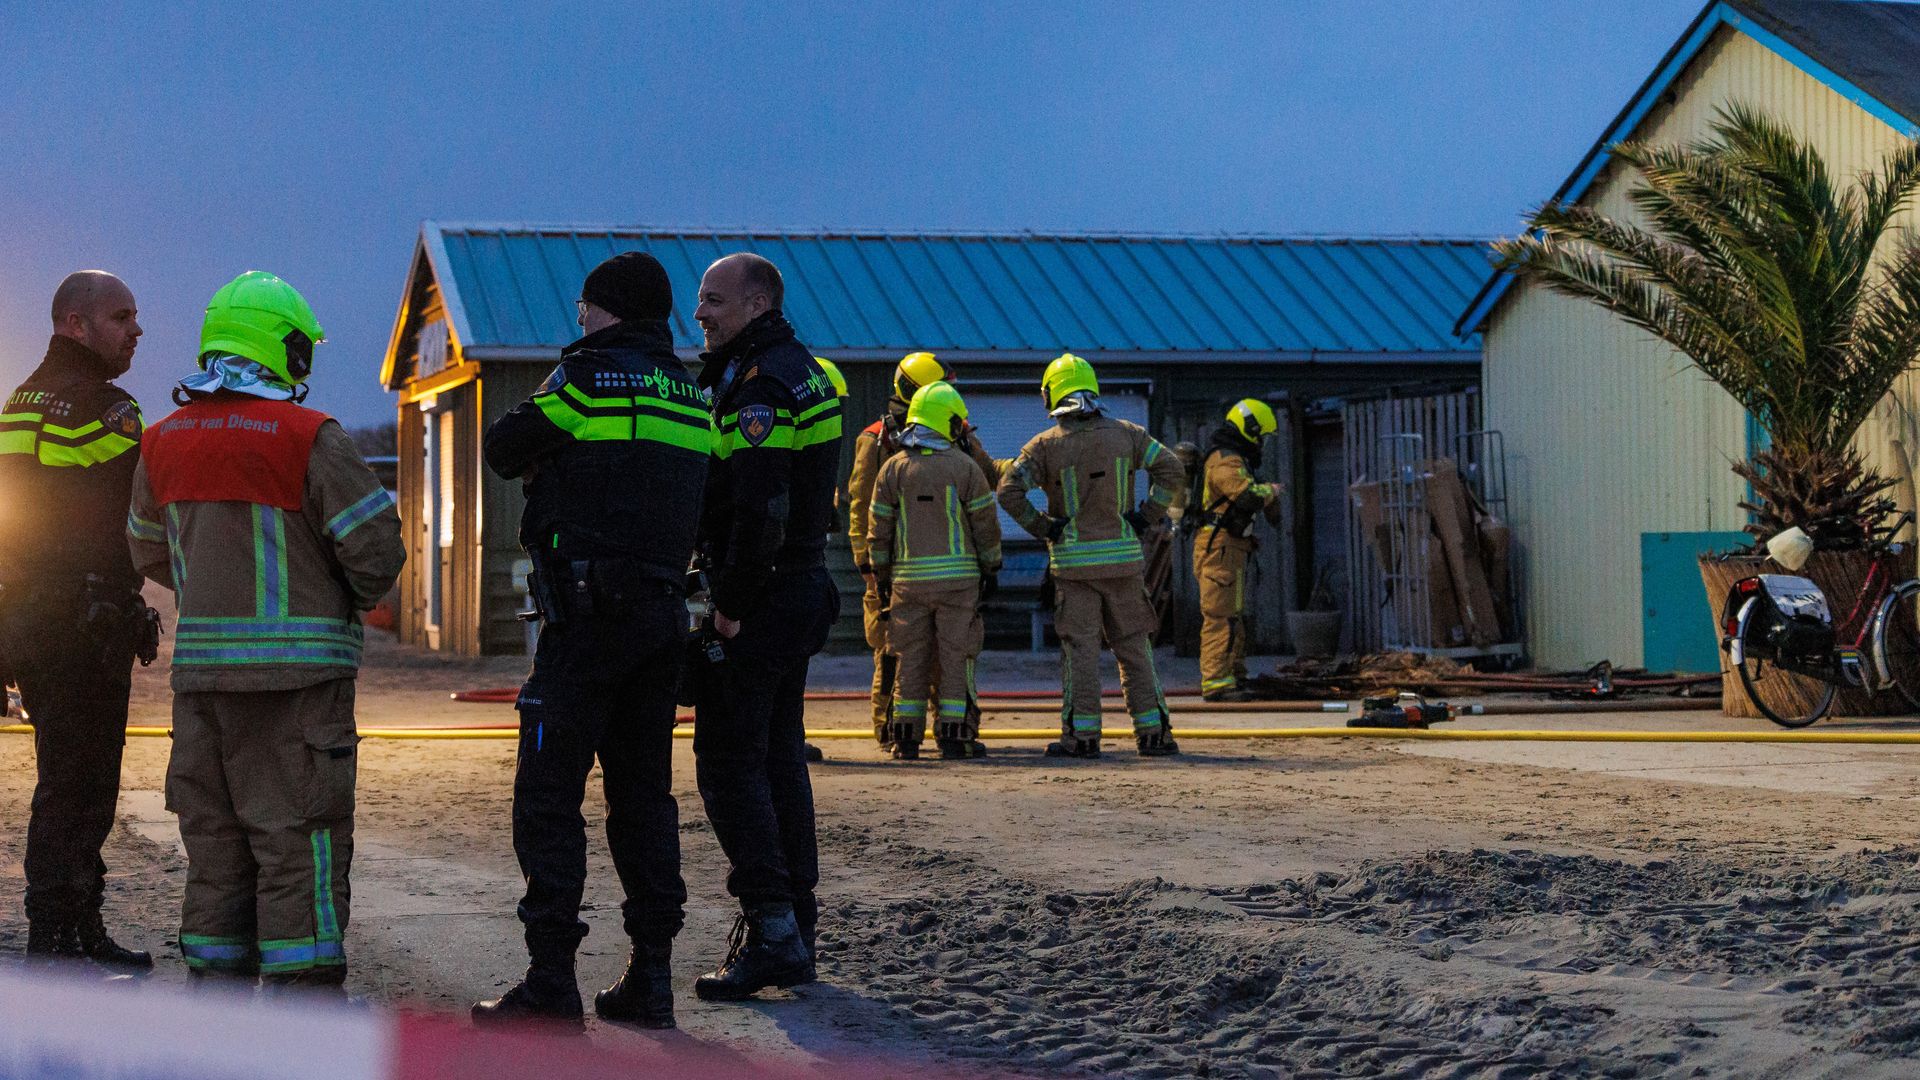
<point>766,950</point>
<point>327,982</point>
<point>1074,747</point>
<point>1157,741</point>
<point>643,996</point>
<point>957,742</point>
<point>98,946</point>
<point>904,735</point>
<point>546,995</point>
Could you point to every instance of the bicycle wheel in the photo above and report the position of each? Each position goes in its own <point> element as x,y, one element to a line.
<point>1787,698</point>
<point>1896,642</point>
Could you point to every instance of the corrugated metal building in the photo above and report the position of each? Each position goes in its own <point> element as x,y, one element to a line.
<point>1179,328</point>
<point>1619,449</point>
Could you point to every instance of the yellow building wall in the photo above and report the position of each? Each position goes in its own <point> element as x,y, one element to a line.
<point>1611,434</point>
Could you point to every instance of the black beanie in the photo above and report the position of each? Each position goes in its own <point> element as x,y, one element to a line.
<point>631,285</point>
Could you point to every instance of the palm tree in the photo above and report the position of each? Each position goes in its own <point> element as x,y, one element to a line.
<point>1763,272</point>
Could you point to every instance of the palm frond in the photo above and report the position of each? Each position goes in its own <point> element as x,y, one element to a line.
<point>1750,259</point>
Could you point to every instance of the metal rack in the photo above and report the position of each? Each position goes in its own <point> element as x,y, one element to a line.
<point>1408,623</point>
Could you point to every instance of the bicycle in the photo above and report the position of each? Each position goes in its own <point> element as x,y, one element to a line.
<point>1779,634</point>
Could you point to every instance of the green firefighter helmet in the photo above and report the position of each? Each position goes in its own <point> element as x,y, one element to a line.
<point>1067,375</point>
<point>940,407</point>
<point>266,320</point>
<point>832,369</point>
<point>1254,420</point>
<point>916,370</point>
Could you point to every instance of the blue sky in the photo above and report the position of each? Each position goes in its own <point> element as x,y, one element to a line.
<point>177,145</point>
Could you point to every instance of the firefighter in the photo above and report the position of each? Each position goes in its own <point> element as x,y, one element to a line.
<point>1086,464</point>
<point>763,535</point>
<point>613,452</point>
<point>70,605</point>
<point>1222,516</point>
<point>876,443</point>
<point>839,381</point>
<point>935,547</point>
<point>273,535</point>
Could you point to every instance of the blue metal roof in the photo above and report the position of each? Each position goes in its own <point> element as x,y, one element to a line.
<point>511,288</point>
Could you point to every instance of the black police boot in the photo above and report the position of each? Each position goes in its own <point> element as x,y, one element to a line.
<point>51,943</point>
<point>766,949</point>
<point>547,996</point>
<point>643,996</point>
<point>90,933</point>
<point>906,751</point>
<point>1072,747</point>
<point>1158,742</point>
<point>962,749</point>
<point>814,754</point>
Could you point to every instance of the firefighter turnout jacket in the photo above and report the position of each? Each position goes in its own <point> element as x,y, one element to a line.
<point>69,443</point>
<point>613,448</point>
<point>934,522</point>
<point>1086,467</point>
<point>273,534</point>
<point>776,456</point>
<point>876,444</point>
<point>1229,497</point>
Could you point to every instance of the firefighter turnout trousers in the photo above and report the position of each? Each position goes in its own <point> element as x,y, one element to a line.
<point>1220,566</point>
<point>884,662</point>
<point>602,686</point>
<point>263,784</point>
<point>1117,608</point>
<point>937,633</point>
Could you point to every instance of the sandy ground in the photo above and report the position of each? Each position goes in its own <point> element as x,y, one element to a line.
<point>1251,908</point>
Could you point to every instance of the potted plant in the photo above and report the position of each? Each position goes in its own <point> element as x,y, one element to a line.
<point>1315,632</point>
<point>1782,286</point>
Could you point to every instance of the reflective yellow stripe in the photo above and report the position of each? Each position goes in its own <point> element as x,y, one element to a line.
<point>104,448</point>
<point>71,433</point>
<point>625,420</point>
<point>16,442</point>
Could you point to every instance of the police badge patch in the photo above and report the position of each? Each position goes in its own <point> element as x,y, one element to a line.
<point>122,417</point>
<point>555,380</point>
<point>756,423</point>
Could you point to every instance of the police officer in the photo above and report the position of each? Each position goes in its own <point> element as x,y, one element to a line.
<point>614,450</point>
<point>1086,464</point>
<point>1225,506</point>
<point>764,533</point>
<point>273,535</point>
<point>876,443</point>
<point>71,607</point>
<point>936,552</point>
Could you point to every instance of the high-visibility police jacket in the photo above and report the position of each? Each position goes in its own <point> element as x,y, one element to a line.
<point>934,521</point>
<point>69,441</point>
<point>776,456</point>
<point>1086,468</point>
<point>613,448</point>
<point>876,444</point>
<point>273,535</point>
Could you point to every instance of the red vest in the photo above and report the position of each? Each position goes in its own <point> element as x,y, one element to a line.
<point>232,448</point>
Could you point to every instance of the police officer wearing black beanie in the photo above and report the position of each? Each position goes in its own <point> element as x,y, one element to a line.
<point>613,451</point>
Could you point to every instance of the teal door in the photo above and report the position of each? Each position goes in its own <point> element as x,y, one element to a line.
<point>1676,624</point>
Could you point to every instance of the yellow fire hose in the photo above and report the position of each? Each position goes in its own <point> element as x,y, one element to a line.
<point>1875,738</point>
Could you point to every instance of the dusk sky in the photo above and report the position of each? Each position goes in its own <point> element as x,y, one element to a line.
<point>177,145</point>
